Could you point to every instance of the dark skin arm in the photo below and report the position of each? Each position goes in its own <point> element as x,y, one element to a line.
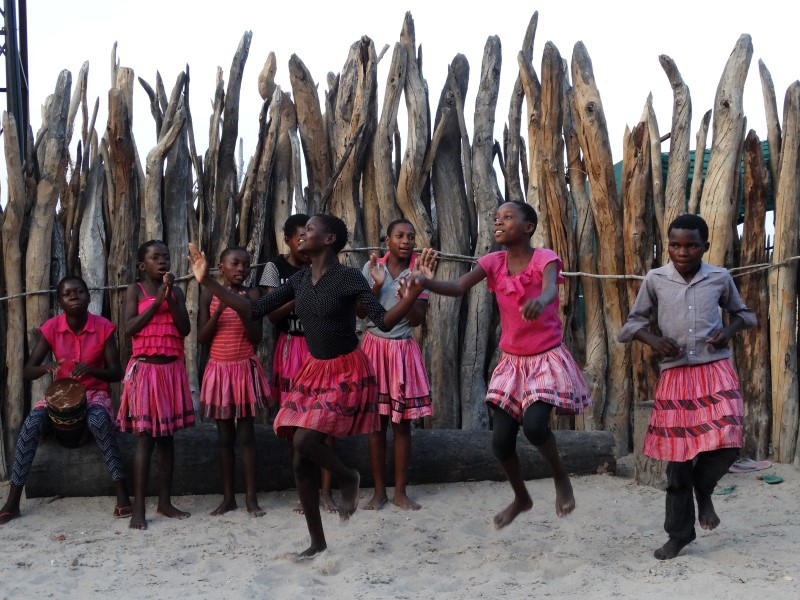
<point>207,322</point>
<point>135,322</point>
<point>36,367</point>
<point>253,329</point>
<point>278,315</point>
<point>534,307</point>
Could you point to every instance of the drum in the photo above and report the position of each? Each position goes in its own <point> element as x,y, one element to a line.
<point>66,407</point>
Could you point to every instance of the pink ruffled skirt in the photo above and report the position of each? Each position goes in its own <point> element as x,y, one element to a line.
<point>697,408</point>
<point>290,353</point>
<point>552,377</point>
<point>335,396</point>
<point>156,399</point>
<point>403,388</point>
<point>234,390</point>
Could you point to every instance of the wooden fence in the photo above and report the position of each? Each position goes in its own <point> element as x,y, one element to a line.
<point>85,207</point>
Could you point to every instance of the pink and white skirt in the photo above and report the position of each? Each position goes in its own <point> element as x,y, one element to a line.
<point>234,390</point>
<point>336,396</point>
<point>697,408</point>
<point>156,399</point>
<point>403,388</point>
<point>552,377</point>
<point>290,353</point>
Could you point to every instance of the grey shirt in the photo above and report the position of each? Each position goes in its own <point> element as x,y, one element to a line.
<point>687,312</point>
<point>388,298</point>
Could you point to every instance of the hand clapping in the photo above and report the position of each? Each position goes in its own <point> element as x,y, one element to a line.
<point>199,263</point>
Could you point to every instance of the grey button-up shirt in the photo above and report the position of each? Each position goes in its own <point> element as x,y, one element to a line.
<point>687,312</point>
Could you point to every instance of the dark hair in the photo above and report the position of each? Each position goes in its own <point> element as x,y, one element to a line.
<point>231,250</point>
<point>335,226</point>
<point>396,222</point>
<point>293,223</point>
<point>68,278</point>
<point>692,223</point>
<point>142,251</point>
<point>528,212</point>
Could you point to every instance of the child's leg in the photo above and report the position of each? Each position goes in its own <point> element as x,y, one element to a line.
<point>377,460</point>
<point>27,443</point>
<point>305,476</point>
<point>100,426</point>
<point>310,444</point>
<point>141,471</point>
<point>327,498</point>
<point>504,445</point>
<point>166,464</point>
<point>708,470</point>
<point>246,434</point>
<point>402,456</point>
<point>536,426</point>
<point>226,438</point>
<point>679,517</point>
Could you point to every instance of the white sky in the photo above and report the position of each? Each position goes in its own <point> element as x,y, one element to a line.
<point>623,38</point>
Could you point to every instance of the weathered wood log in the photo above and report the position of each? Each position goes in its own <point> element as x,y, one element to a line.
<point>680,134</point>
<point>656,178</point>
<point>646,470</point>
<point>440,456</point>
<point>699,158</point>
<point>154,177</point>
<point>466,153</point>
<point>718,202</point>
<point>593,135</point>
<point>783,286</point>
<point>281,197</point>
<point>487,199</point>
<point>773,124</point>
<point>752,345</point>
<point>92,249</point>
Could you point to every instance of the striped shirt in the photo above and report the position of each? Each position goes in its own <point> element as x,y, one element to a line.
<point>230,343</point>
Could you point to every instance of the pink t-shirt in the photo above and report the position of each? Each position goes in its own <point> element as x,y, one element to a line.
<point>518,336</point>
<point>87,346</point>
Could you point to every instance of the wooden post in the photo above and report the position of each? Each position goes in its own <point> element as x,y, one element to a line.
<point>647,471</point>
<point>680,134</point>
<point>699,160</point>
<point>773,124</point>
<point>657,179</point>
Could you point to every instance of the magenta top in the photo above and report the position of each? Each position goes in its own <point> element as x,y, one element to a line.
<point>160,335</point>
<point>518,336</point>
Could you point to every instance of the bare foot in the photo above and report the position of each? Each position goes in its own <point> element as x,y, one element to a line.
<point>328,503</point>
<point>225,506</point>
<point>7,514</point>
<point>706,515</point>
<point>349,490</point>
<point>253,509</point>
<point>298,508</point>
<point>565,500</point>
<point>171,512</point>
<point>670,549</point>
<point>377,502</point>
<point>405,502</point>
<point>137,520</point>
<point>310,552</point>
<point>507,515</point>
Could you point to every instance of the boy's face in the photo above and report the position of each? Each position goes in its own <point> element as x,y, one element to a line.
<point>293,242</point>
<point>686,250</point>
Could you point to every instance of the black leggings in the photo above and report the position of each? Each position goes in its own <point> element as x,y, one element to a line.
<point>535,426</point>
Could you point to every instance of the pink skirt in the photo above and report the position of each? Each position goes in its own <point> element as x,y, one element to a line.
<point>403,388</point>
<point>335,396</point>
<point>552,377</point>
<point>93,398</point>
<point>290,353</point>
<point>697,409</point>
<point>234,390</point>
<point>156,399</point>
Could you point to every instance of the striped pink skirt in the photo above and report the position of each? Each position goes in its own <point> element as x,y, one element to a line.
<point>156,399</point>
<point>403,388</point>
<point>697,409</point>
<point>290,353</point>
<point>335,396</point>
<point>234,390</point>
<point>552,377</point>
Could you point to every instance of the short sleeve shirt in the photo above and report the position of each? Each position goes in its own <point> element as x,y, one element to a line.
<point>277,272</point>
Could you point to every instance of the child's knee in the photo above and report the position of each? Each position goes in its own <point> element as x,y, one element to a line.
<point>537,433</point>
<point>503,447</point>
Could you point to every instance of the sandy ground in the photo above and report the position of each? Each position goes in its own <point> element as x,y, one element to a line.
<point>72,547</point>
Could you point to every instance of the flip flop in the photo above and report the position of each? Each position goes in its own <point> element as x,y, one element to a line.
<point>746,465</point>
<point>724,491</point>
<point>7,516</point>
<point>123,512</point>
<point>772,479</point>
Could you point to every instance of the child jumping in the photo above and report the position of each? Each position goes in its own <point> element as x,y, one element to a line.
<point>696,423</point>
<point>83,348</point>
<point>234,389</point>
<point>334,392</point>
<point>535,372</point>
<point>403,388</point>
<point>156,400</point>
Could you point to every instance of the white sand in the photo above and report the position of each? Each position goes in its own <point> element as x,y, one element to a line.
<point>71,547</point>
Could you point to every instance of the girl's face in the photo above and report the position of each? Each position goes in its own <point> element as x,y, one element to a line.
<point>73,298</point>
<point>156,262</point>
<point>686,249</point>
<point>294,245</point>
<point>401,241</point>
<point>235,267</point>
<point>313,238</point>
<point>510,226</point>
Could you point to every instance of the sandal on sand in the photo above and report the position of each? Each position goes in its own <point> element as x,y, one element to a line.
<point>746,465</point>
<point>724,491</point>
<point>123,512</point>
<point>6,516</point>
<point>771,479</point>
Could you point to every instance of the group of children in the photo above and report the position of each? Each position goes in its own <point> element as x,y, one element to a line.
<point>329,383</point>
